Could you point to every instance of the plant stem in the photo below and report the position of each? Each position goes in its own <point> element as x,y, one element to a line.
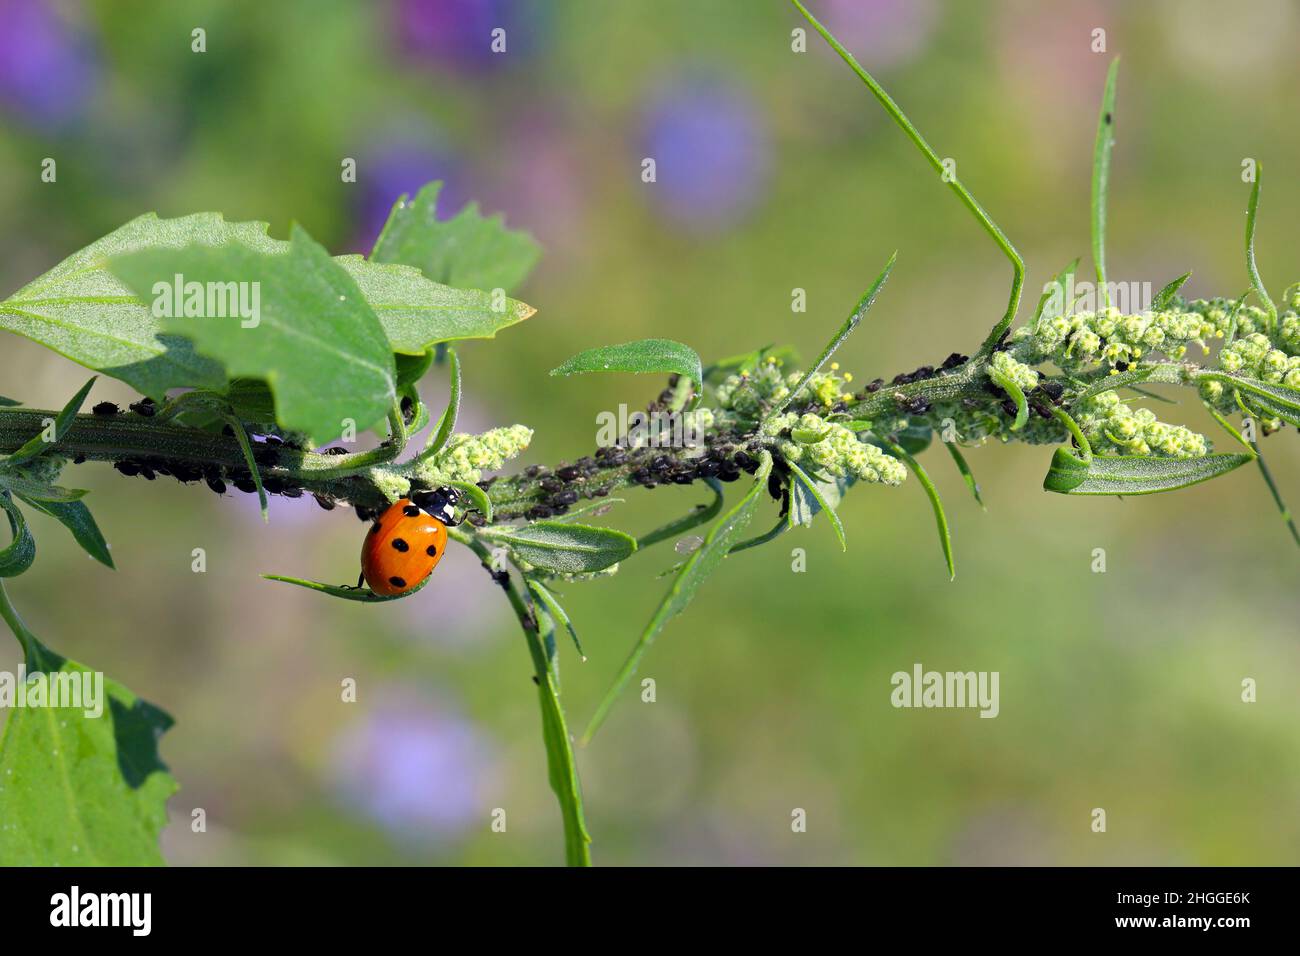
<point>559,744</point>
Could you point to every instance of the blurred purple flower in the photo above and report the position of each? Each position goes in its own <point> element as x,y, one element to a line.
<point>48,68</point>
<point>457,34</point>
<point>543,189</point>
<point>419,770</point>
<point>710,150</point>
<point>880,33</point>
<point>399,164</point>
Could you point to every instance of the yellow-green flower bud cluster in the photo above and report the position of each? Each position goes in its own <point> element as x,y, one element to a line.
<point>749,395</point>
<point>1113,428</point>
<point>1015,371</point>
<point>1254,356</point>
<point>1087,338</point>
<point>465,457</point>
<point>831,450</point>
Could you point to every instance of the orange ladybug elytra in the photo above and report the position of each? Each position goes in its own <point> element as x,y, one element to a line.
<point>407,541</point>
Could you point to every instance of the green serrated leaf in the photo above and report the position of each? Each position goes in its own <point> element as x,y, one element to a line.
<point>19,554</point>
<point>76,517</point>
<point>316,340</point>
<point>564,548</point>
<point>418,314</point>
<point>645,355</point>
<point>1132,474</point>
<point>1167,295</point>
<point>39,444</point>
<point>80,788</point>
<point>83,311</point>
<point>249,400</point>
<point>694,570</point>
<point>820,494</point>
<point>468,251</point>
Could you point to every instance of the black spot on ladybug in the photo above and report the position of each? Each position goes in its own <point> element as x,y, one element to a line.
<point>397,582</point>
<point>411,511</point>
<point>431,550</point>
<point>399,544</point>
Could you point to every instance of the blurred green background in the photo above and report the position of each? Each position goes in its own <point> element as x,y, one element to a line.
<point>775,170</point>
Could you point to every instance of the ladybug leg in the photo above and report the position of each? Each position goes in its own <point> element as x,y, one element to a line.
<point>361,579</point>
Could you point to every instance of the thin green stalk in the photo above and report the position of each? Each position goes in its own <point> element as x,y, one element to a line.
<point>32,648</point>
<point>967,200</point>
<point>559,744</point>
<point>1256,283</point>
<point>1277,494</point>
<point>1101,179</point>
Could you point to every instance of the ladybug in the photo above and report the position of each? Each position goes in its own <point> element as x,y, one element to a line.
<point>407,541</point>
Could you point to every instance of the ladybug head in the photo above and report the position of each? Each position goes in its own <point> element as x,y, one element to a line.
<point>439,503</point>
